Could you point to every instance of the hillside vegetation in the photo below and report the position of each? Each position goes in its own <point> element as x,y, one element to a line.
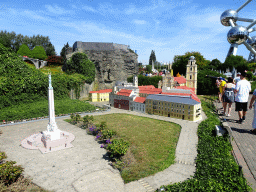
<point>21,83</point>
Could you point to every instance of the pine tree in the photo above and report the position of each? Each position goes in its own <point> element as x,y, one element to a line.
<point>152,57</point>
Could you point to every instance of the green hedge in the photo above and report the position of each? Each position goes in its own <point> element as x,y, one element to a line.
<point>144,80</point>
<point>216,169</point>
<point>20,83</point>
<point>40,109</point>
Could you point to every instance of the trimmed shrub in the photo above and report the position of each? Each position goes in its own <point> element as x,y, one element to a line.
<point>24,51</point>
<point>39,53</point>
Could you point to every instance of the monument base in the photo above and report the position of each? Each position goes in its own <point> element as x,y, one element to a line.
<point>45,145</point>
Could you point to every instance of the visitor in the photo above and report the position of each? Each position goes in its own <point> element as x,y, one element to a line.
<point>228,96</point>
<point>222,84</point>
<point>218,86</point>
<point>242,89</point>
<point>237,78</point>
<point>250,107</point>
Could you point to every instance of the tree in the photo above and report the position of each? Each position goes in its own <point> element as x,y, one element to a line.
<point>214,64</point>
<point>63,51</point>
<point>39,53</point>
<point>181,61</point>
<point>149,68</point>
<point>237,61</point>
<point>152,57</point>
<point>54,60</point>
<point>80,63</point>
<point>50,50</point>
<point>15,41</point>
<point>24,51</point>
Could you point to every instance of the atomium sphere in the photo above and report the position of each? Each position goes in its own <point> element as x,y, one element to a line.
<point>252,42</point>
<point>192,58</point>
<point>226,15</point>
<point>238,35</point>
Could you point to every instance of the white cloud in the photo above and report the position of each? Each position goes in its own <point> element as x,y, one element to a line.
<point>139,22</point>
<point>56,9</point>
<point>88,8</point>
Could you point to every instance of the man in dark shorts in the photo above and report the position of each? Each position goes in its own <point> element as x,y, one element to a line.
<point>242,89</point>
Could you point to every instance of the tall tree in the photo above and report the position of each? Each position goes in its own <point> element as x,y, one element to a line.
<point>15,41</point>
<point>152,57</point>
<point>63,50</point>
<point>214,64</point>
<point>237,61</point>
<point>181,61</point>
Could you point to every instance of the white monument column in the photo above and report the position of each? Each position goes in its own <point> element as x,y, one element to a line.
<point>52,129</point>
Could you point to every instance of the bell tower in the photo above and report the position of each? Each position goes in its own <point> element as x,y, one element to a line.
<point>191,73</point>
<point>135,81</point>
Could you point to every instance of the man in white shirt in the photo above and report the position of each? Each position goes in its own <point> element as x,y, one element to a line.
<point>237,77</point>
<point>242,89</point>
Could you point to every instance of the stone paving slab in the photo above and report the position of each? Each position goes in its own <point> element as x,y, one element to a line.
<point>244,141</point>
<point>72,169</point>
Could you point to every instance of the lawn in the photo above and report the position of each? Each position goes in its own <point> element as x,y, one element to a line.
<point>40,109</point>
<point>153,143</point>
<point>53,69</point>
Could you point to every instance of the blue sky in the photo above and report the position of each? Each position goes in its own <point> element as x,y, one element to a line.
<point>169,27</point>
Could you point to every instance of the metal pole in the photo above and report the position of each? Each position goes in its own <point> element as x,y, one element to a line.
<point>243,6</point>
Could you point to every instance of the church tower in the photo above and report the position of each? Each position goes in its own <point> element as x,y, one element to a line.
<point>135,81</point>
<point>191,73</point>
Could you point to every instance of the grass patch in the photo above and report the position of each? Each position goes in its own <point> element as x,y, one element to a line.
<point>53,69</point>
<point>153,143</point>
<point>40,109</point>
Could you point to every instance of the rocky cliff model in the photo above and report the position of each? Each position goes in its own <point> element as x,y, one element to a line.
<point>113,62</point>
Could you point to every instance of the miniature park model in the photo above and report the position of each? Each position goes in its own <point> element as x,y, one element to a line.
<point>176,96</point>
<point>53,139</point>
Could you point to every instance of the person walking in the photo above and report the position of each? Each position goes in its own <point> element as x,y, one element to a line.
<point>252,102</point>
<point>242,89</point>
<point>222,84</point>
<point>218,86</point>
<point>228,96</point>
<point>237,78</point>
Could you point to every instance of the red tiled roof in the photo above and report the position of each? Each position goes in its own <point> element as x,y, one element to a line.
<point>93,92</point>
<point>105,91</point>
<point>140,99</point>
<point>124,92</point>
<point>102,91</point>
<point>180,80</point>
<point>146,87</point>
<point>151,91</point>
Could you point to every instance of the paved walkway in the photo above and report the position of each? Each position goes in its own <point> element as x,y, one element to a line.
<point>244,143</point>
<point>85,167</point>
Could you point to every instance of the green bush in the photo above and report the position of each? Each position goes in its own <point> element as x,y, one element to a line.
<point>19,83</point>
<point>79,63</point>
<point>253,86</point>
<point>216,169</point>
<point>9,172</point>
<point>24,51</point>
<point>143,80</point>
<point>103,125</point>
<point>107,134</point>
<point>39,53</point>
<point>118,147</point>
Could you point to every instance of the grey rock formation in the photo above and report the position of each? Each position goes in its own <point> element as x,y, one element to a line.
<point>113,62</point>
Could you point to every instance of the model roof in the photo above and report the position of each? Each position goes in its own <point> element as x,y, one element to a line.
<point>140,99</point>
<point>180,80</point>
<point>184,99</point>
<point>102,91</point>
<point>124,92</point>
